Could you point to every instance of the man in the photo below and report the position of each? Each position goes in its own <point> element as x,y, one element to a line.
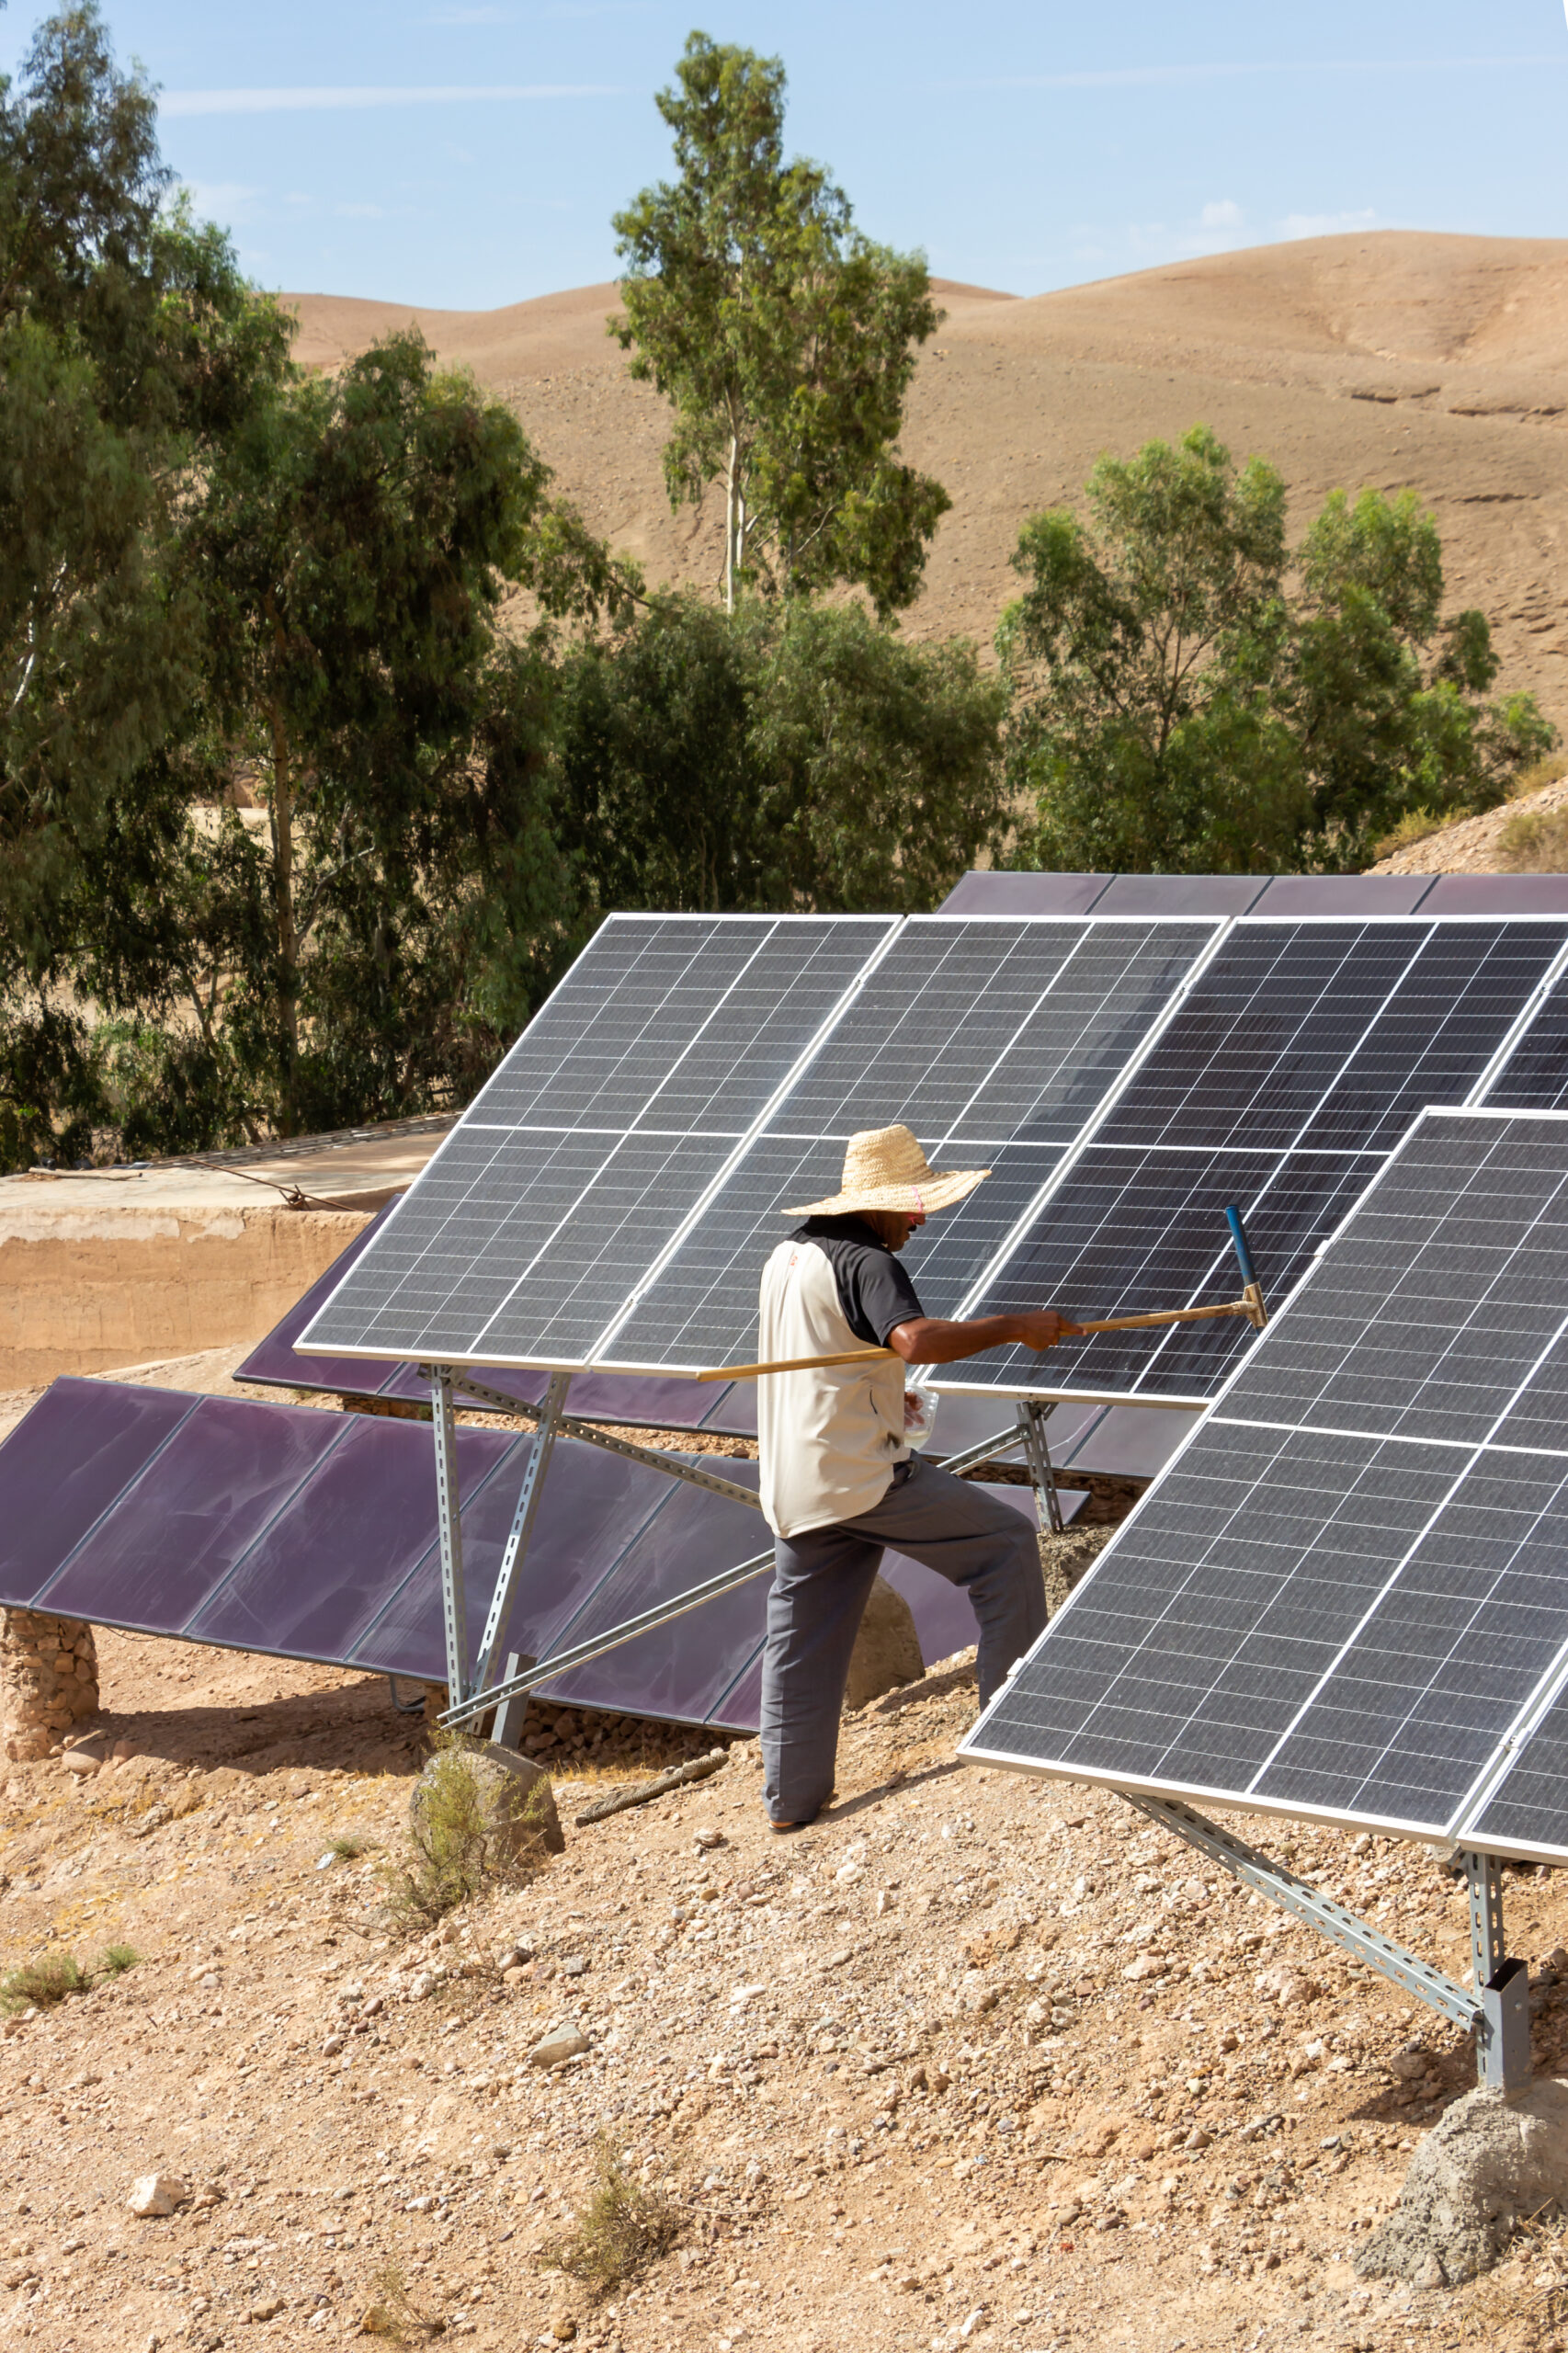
<point>839,1481</point>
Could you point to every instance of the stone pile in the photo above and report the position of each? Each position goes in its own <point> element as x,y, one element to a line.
<point>49,1680</point>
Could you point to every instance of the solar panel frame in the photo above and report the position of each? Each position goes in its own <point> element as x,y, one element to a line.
<point>619,1171</point>
<point>1480,1759</point>
<point>1209,1343</point>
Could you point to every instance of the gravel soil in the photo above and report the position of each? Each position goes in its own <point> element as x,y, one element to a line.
<point>976,2059</point>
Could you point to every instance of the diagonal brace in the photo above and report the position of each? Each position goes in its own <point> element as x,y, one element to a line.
<point>1307,1903</point>
<point>546,1426</point>
<point>568,1425</point>
<point>660,1614</point>
<point>579,1654</point>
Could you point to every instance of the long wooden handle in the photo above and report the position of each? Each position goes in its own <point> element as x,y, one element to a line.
<point>1168,1315</point>
<point>795,1364</point>
<point>1250,1306</point>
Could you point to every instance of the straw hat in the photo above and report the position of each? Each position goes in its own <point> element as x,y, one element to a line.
<point>884,1168</point>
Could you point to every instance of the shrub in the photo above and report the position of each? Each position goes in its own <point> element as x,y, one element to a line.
<point>1536,842</point>
<point>471,1825</point>
<point>39,1985</point>
<point>618,2233</point>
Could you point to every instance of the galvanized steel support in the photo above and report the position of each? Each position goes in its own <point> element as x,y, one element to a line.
<point>454,1607</point>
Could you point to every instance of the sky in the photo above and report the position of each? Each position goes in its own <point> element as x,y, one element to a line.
<point>465,154</point>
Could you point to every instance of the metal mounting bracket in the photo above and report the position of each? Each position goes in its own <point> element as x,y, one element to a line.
<point>1502,2026</point>
<point>454,1606</point>
<point>1496,2010</point>
<point>1032,1413</point>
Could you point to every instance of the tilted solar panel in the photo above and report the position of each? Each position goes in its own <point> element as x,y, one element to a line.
<point>1347,1596</point>
<point>580,1157</point>
<point>1296,1060</point>
<point>994,1040</point>
<point>633,1401</point>
<point>313,1535</point>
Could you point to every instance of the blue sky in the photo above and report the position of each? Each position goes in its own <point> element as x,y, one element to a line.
<point>469,153</point>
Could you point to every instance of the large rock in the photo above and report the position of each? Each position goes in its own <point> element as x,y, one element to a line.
<point>515,1793</point>
<point>564,2042</point>
<point>155,2194</point>
<point>1491,2162</point>
<point>887,1648</point>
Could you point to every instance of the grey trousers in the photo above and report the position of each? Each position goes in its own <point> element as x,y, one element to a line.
<point>822,1581</point>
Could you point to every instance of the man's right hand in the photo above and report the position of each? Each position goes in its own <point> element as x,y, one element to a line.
<point>1044,1328</point>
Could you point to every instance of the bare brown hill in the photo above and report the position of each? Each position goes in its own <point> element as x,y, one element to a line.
<point>1382,359</point>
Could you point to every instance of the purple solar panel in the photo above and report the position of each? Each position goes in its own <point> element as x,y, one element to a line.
<point>1497,894</point>
<point>1181,894</point>
<point>1343,894</point>
<point>1128,1441</point>
<point>593,1506</point>
<point>680,1670</point>
<point>62,1466</point>
<point>313,1535</point>
<point>316,1577</point>
<point>980,893</point>
<point>187,1517</point>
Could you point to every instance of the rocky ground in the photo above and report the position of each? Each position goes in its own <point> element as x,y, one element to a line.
<point>974,2060</point>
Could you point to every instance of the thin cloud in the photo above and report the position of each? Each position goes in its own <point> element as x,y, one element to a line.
<point>323,101</point>
<point>1226,214</point>
<point>1122,77</point>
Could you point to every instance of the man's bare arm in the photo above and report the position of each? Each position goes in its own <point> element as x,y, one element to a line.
<point>932,1339</point>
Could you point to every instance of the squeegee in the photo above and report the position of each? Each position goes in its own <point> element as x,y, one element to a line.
<point>1250,1304</point>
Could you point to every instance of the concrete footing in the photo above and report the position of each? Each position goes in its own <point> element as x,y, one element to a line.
<point>1490,2164</point>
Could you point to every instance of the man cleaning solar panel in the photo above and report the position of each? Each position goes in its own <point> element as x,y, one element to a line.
<point>839,1478</point>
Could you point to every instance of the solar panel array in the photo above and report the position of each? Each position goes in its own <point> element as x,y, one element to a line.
<point>313,1535</point>
<point>1295,1061</point>
<point>631,1401</point>
<point>993,1040</point>
<point>1347,1596</point>
<point>583,1153</point>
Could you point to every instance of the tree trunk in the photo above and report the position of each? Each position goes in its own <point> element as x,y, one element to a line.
<point>283,908</point>
<point>731,519</point>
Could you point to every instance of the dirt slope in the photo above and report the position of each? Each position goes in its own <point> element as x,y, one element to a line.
<point>974,2061</point>
<point>1380,360</point>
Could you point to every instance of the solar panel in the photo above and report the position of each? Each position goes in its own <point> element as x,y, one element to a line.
<point>579,1159</point>
<point>1347,1596</point>
<point>994,1040</point>
<point>1294,1062</point>
<point>633,1401</point>
<point>311,1535</point>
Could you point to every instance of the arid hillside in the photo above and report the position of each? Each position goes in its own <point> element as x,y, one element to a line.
<point>1380,360</point>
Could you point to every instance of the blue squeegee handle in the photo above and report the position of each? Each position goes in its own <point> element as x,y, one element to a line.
<point>1243,1246</point>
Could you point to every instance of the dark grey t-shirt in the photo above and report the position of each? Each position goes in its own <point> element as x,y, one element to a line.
<point>874,1291</point>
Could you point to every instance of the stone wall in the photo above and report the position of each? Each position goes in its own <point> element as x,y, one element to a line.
<point>49,1680</point>
<point>87,1286</point>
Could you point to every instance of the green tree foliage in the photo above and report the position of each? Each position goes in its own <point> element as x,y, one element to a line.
<point>1190,698</point>
<point>363,942</point>
<point>797,756</point>
<point>785,340</point>
<point>128,342</point>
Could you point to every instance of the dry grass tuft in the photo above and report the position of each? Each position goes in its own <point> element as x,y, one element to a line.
<point>393,2314</point>
<point>1413,827</point>
<point>468,1831</point>
<point>621,2229</point>
<point>39,1985</point>
<point>1536,842</point>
